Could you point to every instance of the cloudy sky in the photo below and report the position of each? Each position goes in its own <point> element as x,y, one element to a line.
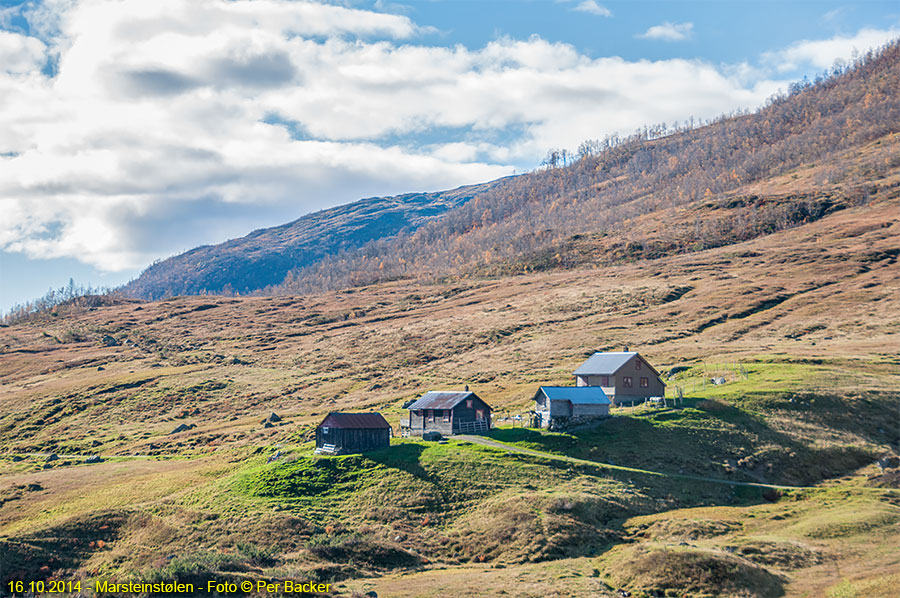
<point>133,129</point>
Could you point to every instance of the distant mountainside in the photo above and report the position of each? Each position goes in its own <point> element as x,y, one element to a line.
<point>662,192</point>
<point>265,256</point>
<point>659,192</point>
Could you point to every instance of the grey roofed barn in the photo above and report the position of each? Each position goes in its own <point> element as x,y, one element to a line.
<point>607,363</point>
<point>441,399</point>
<point>448,412</point>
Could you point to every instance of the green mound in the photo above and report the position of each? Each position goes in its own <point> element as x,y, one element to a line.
<point>782,555</point>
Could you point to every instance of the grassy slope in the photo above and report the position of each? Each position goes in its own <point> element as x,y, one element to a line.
<point>811,314</point>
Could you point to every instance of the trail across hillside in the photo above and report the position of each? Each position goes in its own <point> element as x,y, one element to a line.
<point>518,449</point>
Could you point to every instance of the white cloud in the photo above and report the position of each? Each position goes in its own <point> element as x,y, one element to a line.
<point>821,54</point>
<point>669,32</point>
<point>591,6</point>
<point>180,122</point>
<point>21,53</point>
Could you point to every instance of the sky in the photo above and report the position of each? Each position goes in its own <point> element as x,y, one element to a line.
<point>133,130</point>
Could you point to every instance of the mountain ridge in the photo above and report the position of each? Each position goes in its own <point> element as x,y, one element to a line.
<point>264,256</point>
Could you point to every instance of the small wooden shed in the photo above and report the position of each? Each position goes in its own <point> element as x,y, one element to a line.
<point>343,433</point>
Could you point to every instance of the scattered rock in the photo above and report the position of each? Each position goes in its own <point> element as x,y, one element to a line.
<point>273,418</point>
<point>268,424</point>
<point>100,368</point>
<point>94,459</point>
<point>108,340</point>
<point>33,487</point>
<point>53,457</point>
<point>182,428</point>
<point>96,443</point>
<point>888,462</point>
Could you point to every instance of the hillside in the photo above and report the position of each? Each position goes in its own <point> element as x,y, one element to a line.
<point>811,314</point>
<point>264,257</point>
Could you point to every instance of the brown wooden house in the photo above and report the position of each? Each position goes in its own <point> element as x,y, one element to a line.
<point>343,433</point>
<point>449,412</point>
<point>624,376</point>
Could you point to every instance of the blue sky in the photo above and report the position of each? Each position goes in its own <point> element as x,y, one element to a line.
<point>133,130</point>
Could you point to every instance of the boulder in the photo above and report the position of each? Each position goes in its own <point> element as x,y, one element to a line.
<point>108,340</point>
<point>53,457</point>
<point>94,459</point>
<point>431,436</point>
<point>181,428</point>
<point>273,417</point>
<point>16,458</point>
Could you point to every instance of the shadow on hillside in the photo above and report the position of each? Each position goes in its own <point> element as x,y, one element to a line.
<point>712,439</point>
<point>404,457</point>
<point>514,435</point>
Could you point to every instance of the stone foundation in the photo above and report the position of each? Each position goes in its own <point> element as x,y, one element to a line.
<point>563,424</point>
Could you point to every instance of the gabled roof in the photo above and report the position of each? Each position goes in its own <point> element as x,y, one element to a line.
<point>444,399</point>
<point>604,363</point>
<point>354,420</point>
<point>577,395</point>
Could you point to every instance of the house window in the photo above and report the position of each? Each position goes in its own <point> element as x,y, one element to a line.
<point>604,380</point>
<point>645,382</point>
<point>637,364</point>
<point>325,429</point>
<point>479,414</point>
<point>431,415</point>
<point>468,403</point>
<point>446,415</point>
<point>626,381</point>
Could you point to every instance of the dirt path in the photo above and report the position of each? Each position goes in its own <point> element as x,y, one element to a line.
<point>518,449</point>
